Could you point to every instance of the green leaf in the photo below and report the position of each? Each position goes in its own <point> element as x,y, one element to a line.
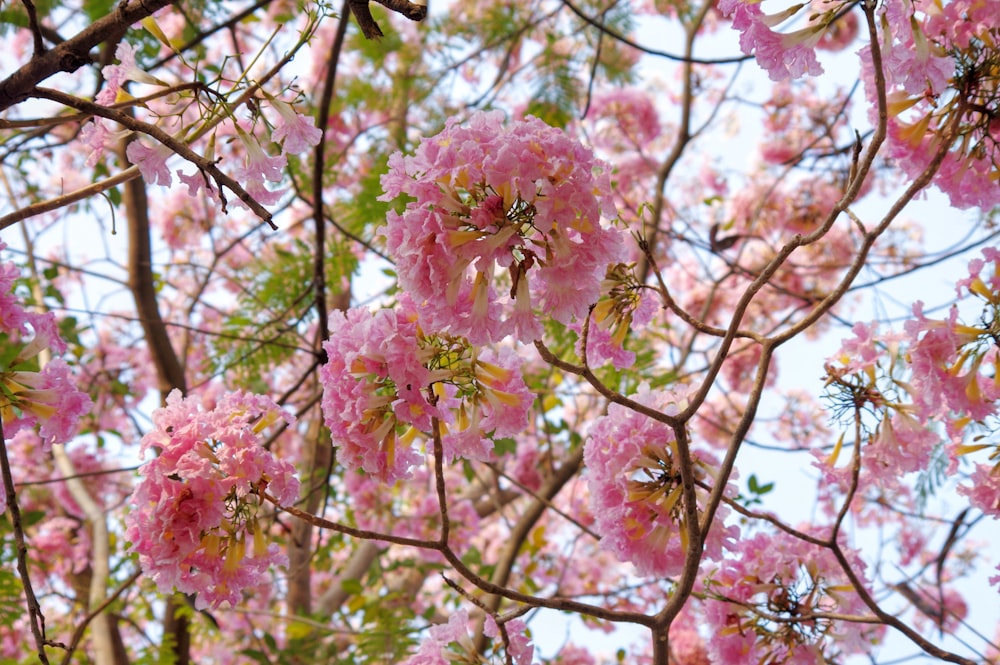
<point>504,446</point>
<point>351,586</point>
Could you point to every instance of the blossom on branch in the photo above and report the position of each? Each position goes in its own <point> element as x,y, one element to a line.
<point>151,160</point>
<point>30,395</point>
<point>385,380</point>
<point>197,520</point>
<point>451,643</point>
<point>637,491</point>
<point>126,70</point>
<point>505,223</point>
<point>259,167</point>
<point>940,66</point>
<point>782,56</point>
<point>294,131</point>
<point>774,601</point>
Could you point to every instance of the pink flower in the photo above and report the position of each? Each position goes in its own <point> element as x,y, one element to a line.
<point>625,306</point>
<point>632,115</point>
<point>380,372</point>
<point>296,131</point>
<point>938,356</point>
<point>258,165</point>
<point>984,492</point>
<point>636,489</point>
<point>116,75</point>
<point>47,397</point>
<point>257,168</point>
<point>450,642</point>
<point>901,445</point>
<point>938,81</point>
<point>367,399</point>
<point>97,135</point>
<point>763,593</point>
<point>125,70</point>
<point>151,160</point>
<point>781,56</point>
<point>196,520</point>
<point>444,641</point>
<point>506,224</point>
<point>519,647</point>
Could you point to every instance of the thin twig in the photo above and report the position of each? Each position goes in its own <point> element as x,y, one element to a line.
<point>35,616</point>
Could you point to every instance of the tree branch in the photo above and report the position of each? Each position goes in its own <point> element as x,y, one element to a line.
<point>74,52</point>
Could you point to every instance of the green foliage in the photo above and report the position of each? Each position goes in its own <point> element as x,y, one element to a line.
<point>362,213</point>
<point>933,477</point>
<point>276,306</point>
<point>95,9</point>
<point>13,16</point>
<point>556,98</point>
<point>11,596</point>
<point>755,490</point>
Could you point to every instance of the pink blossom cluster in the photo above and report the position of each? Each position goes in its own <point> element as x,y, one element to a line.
<point>946,357</point>
<point>626,306</point>
<point>385,381</point>
<point>943,93</point>
<point>902,442</point>
<point>953,364</point>
<point>783,56</point>
<point>636,490</point>
<point>517,205</point>
<point>196,521</point>
<point>29,395</point>
<point>768,596</point>
<point>295,132</point>
<point>451,643</point>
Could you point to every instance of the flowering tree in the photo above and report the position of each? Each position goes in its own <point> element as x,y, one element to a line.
<point>337,336</point>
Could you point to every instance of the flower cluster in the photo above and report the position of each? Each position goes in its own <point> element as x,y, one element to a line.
<point>952,363</point>
<point>196,520</point>
<point>788,55</point>
<point>295,132</point>
<point>943,93</point>
<point>385,380</point>
<point>856,381</point>
<point>625,306</point>
<point>773,604</point>
<point>516,205</point>
<point>450,642</point>
<point>30,395</point>
<point>636,489</point>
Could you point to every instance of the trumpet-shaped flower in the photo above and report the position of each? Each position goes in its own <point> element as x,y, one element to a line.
<point>767,596</point>
<point>505,224</point>
<point>151,160</point>
<point>257,169</point>
<point>637,491</point>
<point>196,522</point>
<point>450,642</point>
<point>294,131</point>
<point>30,396</point>
<point>125,70</point>
<point>782,56</point>
<point>385,380</point>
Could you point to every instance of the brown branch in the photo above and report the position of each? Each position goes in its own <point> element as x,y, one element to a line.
<point>35,616</point>
<point>82,626</point>
<point>176,145</point>
<point>33,24</point>
<point>133,171</point>
<point>319,168</point>
<point>519,534</point>
<point>74,52</point>
<point>607,392</point>
<point>369,28</point>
